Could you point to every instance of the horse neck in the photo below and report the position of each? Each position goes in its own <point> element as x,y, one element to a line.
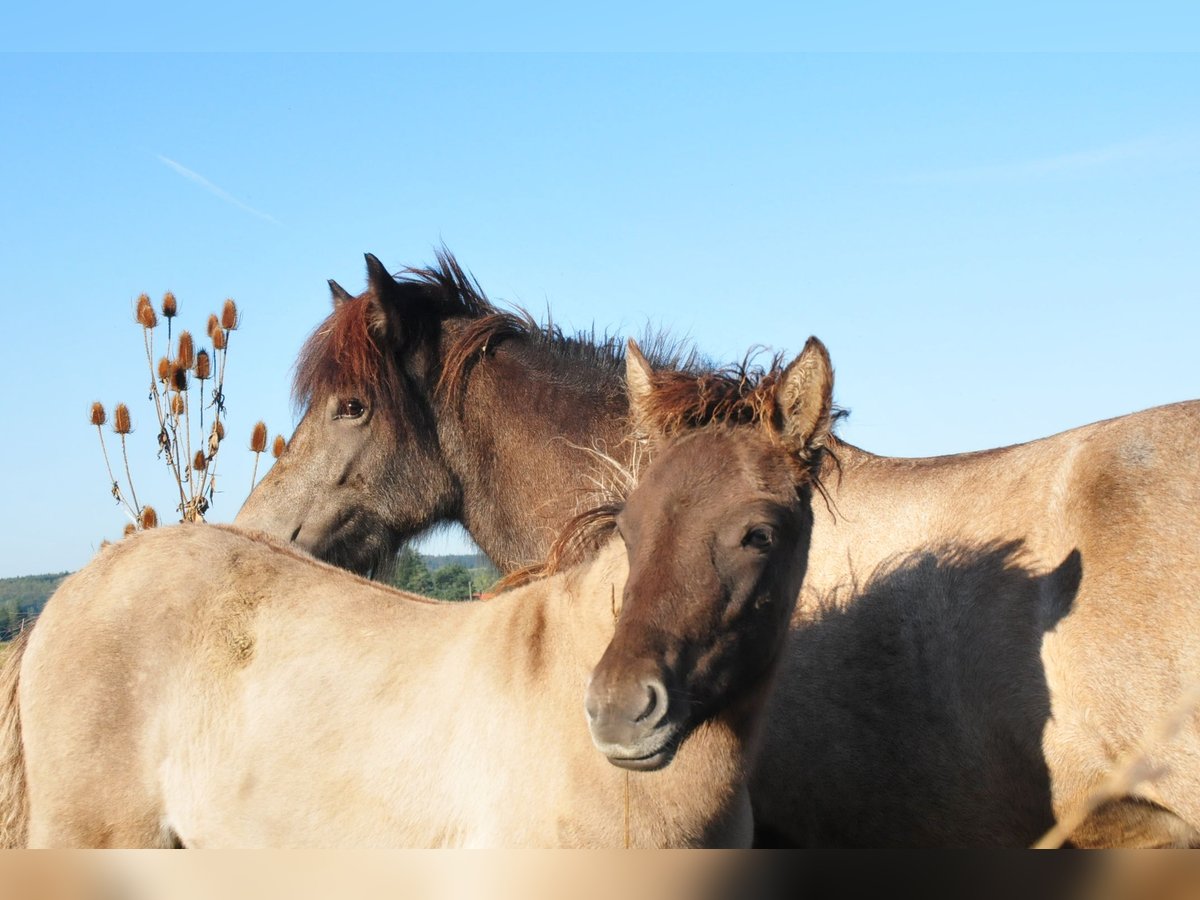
<point>517,445</point>
<point>693,800</point>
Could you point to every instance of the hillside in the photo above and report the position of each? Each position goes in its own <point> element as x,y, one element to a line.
<point>23,598</point>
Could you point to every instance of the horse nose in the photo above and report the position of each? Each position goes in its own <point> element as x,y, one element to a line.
<point>656,703</point>
<point>623,714</point>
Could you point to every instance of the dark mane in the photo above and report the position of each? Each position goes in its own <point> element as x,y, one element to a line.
<point>344,352</point>
<point>454,290</point>
<point>608,351</point>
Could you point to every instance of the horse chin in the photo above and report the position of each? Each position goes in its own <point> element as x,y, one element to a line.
<point>652,763</point>
<point>363,555</point>
<point>643,759</point>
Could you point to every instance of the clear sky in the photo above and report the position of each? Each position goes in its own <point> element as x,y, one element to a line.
<point>994,246</point>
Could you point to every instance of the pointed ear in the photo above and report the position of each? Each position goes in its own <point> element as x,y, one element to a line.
<point>387,300</point>
<point>804,400</point>
<point>340,294</point>
<point>639,387</point>
<point>378,277</point>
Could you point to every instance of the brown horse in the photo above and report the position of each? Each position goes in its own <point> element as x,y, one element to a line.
<point>981,637</point>
<point>204,686</point>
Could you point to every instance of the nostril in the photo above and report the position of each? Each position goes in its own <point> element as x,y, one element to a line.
<point>656,704</point>
<point>295,534</point>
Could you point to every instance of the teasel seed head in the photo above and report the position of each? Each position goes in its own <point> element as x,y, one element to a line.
<point>219,429</point>
<point>203,365</point>
<point>143,301</point>
<point>99,416</point>
<point>146,315</point>
<point>218,338</point>
<point>278,446</point>
<point>187,350</point>
<point>179,377</point>
<point>213,323</point>
<point>149,517</point>
<point>258,437</point>
<point>130,528</point>
<point>122,424</point>
<point>169,306</point>
<point>177,405</point>
<point>229,315</point>
<point>164,369</point>
<point>199,462</point>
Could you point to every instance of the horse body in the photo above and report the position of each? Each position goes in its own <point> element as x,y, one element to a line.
<point>980,636</point>
<point>240,690</point>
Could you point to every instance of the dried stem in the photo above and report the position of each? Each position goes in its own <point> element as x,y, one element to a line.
<point>116,487</point>
<point>137,507</point>
<point>187,434</point>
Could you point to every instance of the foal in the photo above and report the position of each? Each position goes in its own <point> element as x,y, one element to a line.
<point>201,686</point>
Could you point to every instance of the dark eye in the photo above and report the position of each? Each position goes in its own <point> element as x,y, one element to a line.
<point>350,408</point>
<point>760,537</point>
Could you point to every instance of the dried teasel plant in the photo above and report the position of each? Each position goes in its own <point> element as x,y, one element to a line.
<point>173,376</point>
<point>258,443</point>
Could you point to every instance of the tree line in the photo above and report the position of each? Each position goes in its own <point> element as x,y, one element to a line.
<point>446,578</point>
<point>21,599</point>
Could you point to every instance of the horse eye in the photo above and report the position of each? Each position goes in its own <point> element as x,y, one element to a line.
<point>351,408</point>
<point>760,537</point>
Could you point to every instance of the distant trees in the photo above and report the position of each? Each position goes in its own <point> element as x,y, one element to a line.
<point>448,581</point>
<point>452,582</point>
<point>21,599</point>
<point>412,573</point>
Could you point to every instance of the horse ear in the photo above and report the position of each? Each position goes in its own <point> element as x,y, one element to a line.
<point>804,400</point>
<point>340,294</point>
<point>386,309</point>
<point>379,278</point>
<point>639,386</point>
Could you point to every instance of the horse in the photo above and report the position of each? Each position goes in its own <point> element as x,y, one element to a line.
<point>205,686</point>
<point>980,639</point>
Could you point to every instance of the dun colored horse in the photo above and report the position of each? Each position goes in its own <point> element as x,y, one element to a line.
<point>204,686</point>
<point>980,639</point>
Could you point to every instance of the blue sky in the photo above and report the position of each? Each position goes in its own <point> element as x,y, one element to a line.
<point>994,246</point>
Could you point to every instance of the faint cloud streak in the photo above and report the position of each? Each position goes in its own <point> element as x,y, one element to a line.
<point>1146,151</point>
<point>213,189</point>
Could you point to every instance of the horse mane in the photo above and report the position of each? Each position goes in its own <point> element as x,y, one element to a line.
<point>344,352</point>
<point>339,355</point>
<point>741,394</point>
<point>481,336</point>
